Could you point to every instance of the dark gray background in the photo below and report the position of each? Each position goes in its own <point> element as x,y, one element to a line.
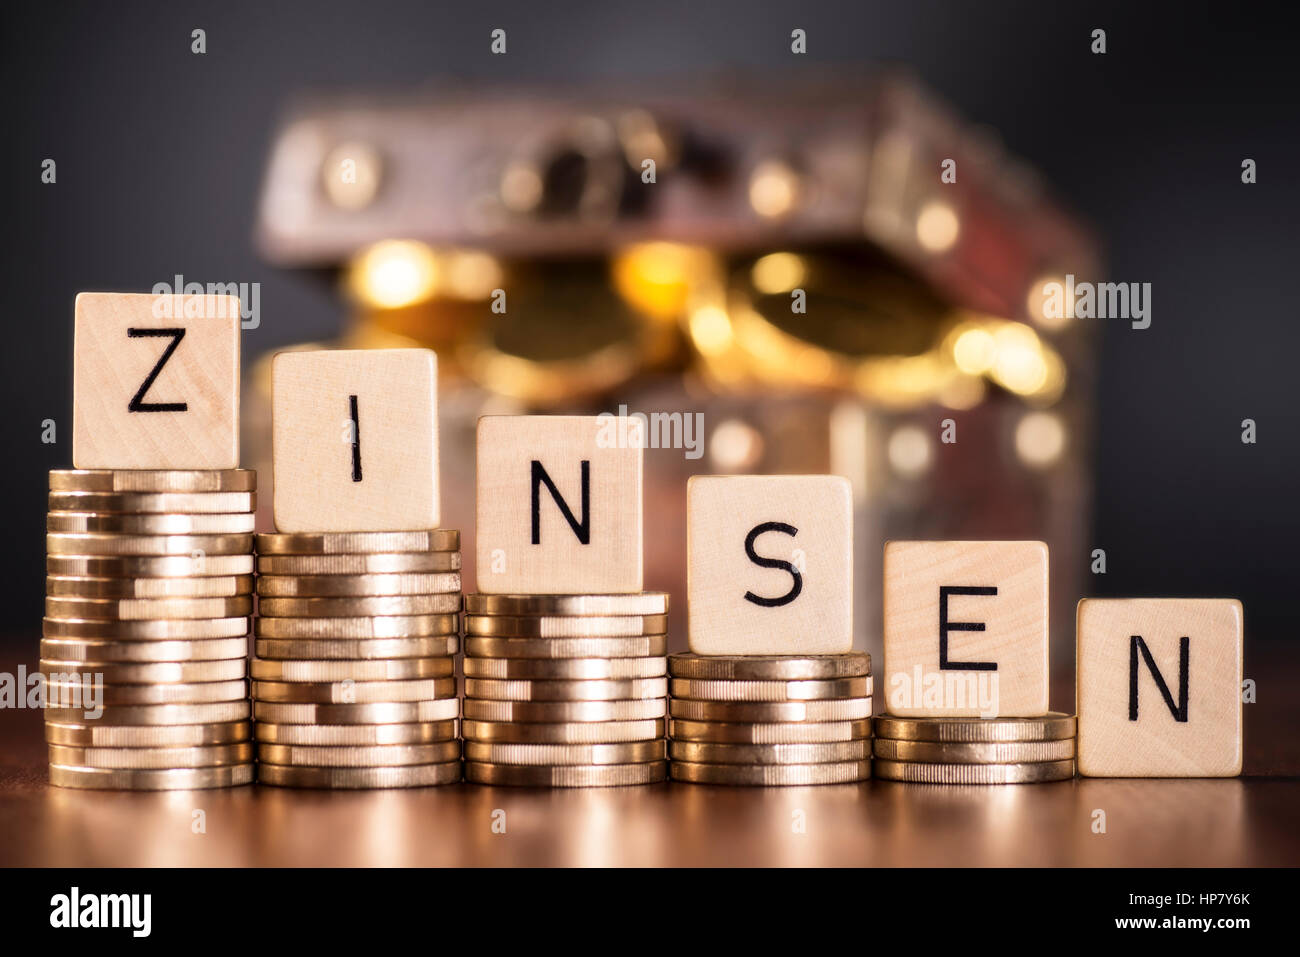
<point>160,155</point>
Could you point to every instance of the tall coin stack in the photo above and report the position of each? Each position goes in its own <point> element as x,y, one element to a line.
<point>770,720</point>
<point>354,670</point>
<point>975,750</point>
<point>565,690</point>
<point>148,597</point>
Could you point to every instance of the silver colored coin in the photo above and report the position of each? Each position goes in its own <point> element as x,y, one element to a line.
<point>289,649</point>
<point>572,732</point>
<point>148,609</point>
<point>566,668</point>
<point>835,689</point>
<point>771,732</point>
<point>1049,727</point>
<point>149,566</point>
<point>188,503</point>
<point>373,563</point>
<point>568,776</point>
<point>91,735</point>
<point>352,543</point>
<point>388,712</point>
<point>358,756</point>
<point>478,709</point>
<point>398,605</point>
<point>150,673</point>
<point>920,773</point>
<point>568,626</point>
<point>154,714</point>
<point>76,652</point>
<point>357,735</point>
<point>157,523</point>
<point>409,776</point>
<point>173,779</point>
<point>990,752</point>
<point>557,755</point>
<point>353,692</point>
<point>559,690</point>
<point>71,694</point>
<point>225,586</point>
<point>77,543</point>
<point>173,629</point>
<point>216,755</point>
<point>771,775</point>
<point>153,480</point>
<point>339,586</point>
<point>363,669</point>
<point>769,667</point>
<point>645,646</point>
<point>639,603</point>
<point>703,752</point>
<point>358,628</point>
<point>840,709</point>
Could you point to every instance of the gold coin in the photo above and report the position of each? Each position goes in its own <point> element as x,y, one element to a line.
<point>569,776</point>
<point>148,609</point>
<point>709,752</point>
<point>360,756</point>
<point>918,773</point>
<point>776,732</point>
<point>771,775</point>
<point>557,755</point>
<point>838,709</point>
<point>76,543</point>
<point>555,648</point>
<point>350,543</point>
<point>990,752</point>
<point>157,672</point>
<point>203,692</point>
<point>187,503</point>
<point>226,586</point>
<point>152,714</point>
<point>572,626</point>
<point>571,732</point>
<point>303,649</point>
<point>152,758</point>
<point>364,627</point>
<point>356,735</point>
<point>638,603</point>
<point>385,712</point>
<point>109,650</point>
<point>359,607</point>
<point>173,779</point>
<point>217,523</point>
<point>153,480</point>
<point>309,586</point>
<point>91,735</point>
<point>769,667</point>
<point>1049,727</point>
<point>354,692</point>
<point>411,776</point>
<point>559,690</point>
<point>149,566</point>
<point>477,709</point>
<point>153,630</point>
<point>837,688</point>
<point>375,563</point>
<point>371,669</point>
<point>570,668</point>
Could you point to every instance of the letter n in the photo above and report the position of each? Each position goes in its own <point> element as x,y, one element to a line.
<point>580,528</point>
<point>1138,646</point>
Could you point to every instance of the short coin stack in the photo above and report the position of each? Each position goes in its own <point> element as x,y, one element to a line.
<point>975,750</point>
<point>149,589</point>
<point>565,690</point>
<point>354,670</point>
<point>770,720</point>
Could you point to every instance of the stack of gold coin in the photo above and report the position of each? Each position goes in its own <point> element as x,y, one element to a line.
<point>565,690</point>
<point>354,679</point>
<point>975,750</point>
<point>145,640</point>
<point>770,720</point>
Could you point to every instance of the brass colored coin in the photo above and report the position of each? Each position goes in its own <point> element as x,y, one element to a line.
<point>837,709</point>
<point>361,756</point>
<point>555,648</point>
<point>707,752</point>
<point>148,609</point>
<point>374,563</point>
<point>348,649</point>
<point>352,543</point>
<point>152,630</point>
<point>157,672</point>
<point>572,732</point>
<point>572,626</point>
<point>918,773</point>
<point>771,775</point>
<point>204,692</point>
<point>556,755</point>
<point>187,503</point>
<point>226,586</point>
<point>353,692</point>
<point>769,667</point>
<point>76,543</point>
<point>152,758</point>
<point>154,714</point>
<point>411,776</point>
<point>165,523</point>
<point>90,735</point>
<point>149,566</point>
<point>838,688</point>
<point>357,628</point>
<point>385,712</point>
<point>775,732</point>
<point>639,603</point>
<point>360,607</point>
<point>173,779</point>
<point>570,668</point>
<point>365,669</point>
<point>569,776</point>
<point>153,480</point>
<point>477,709</point>
<point>310,586</point>
<point>356,735</point>
<point>80,650</point>
<point>990,752</point>
<point>559,690</point>
<point>1049,727</point>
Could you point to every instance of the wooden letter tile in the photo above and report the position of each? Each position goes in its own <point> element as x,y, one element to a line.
<point>769,564</point>
<point>155,382</point>
<point>558,506</point>
<point>965,628</point>
<point>1159,687</point>
<point>356,440</point>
